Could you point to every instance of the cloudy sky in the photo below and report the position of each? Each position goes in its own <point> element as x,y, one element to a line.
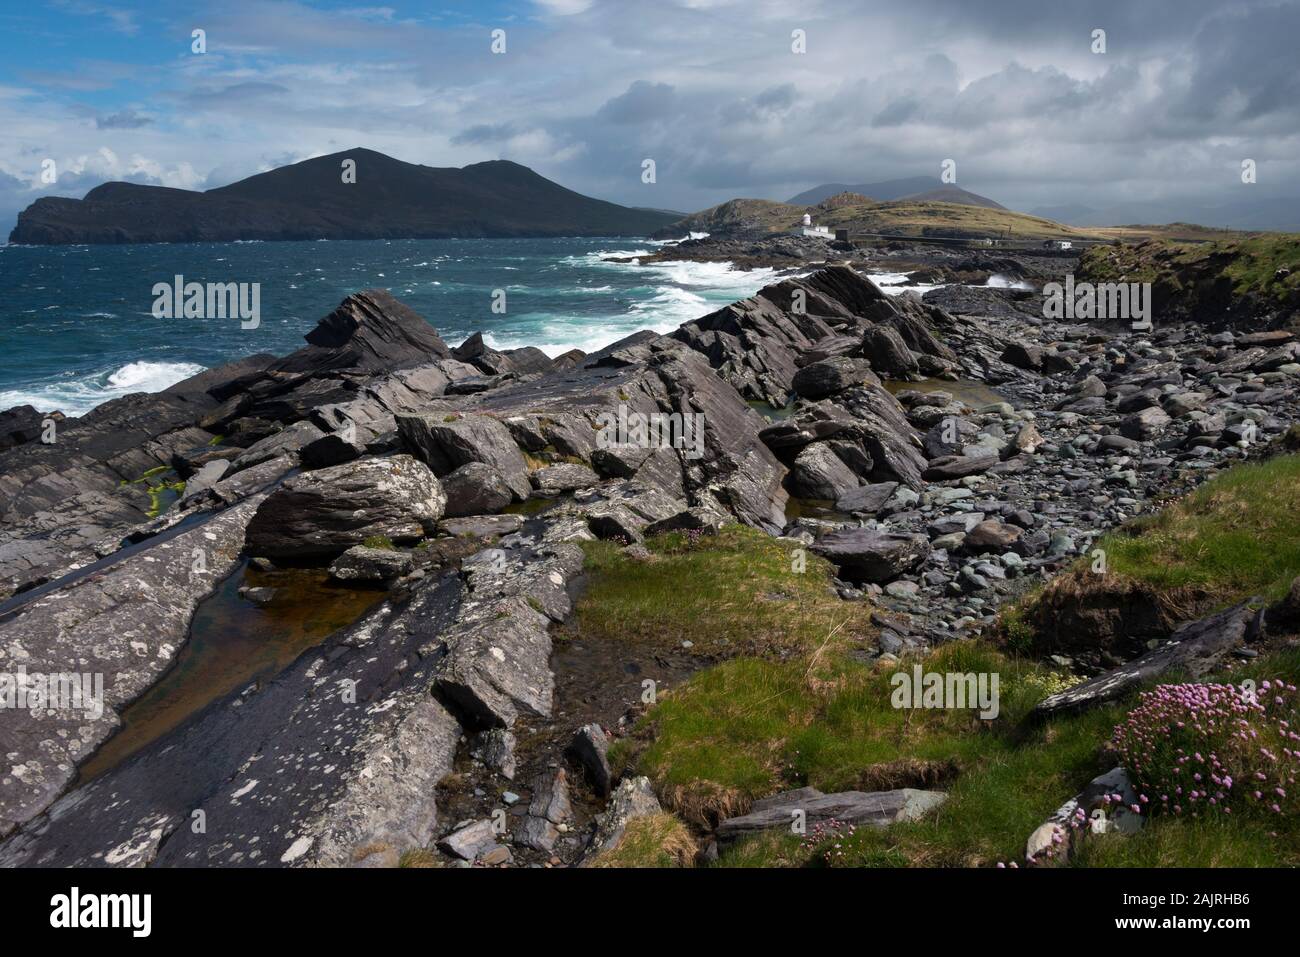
<point>710,89</point>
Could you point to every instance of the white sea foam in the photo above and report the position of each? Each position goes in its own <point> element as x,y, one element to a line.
<point>1000,281</point>
<point>895,284</point>
<point>78,396</point>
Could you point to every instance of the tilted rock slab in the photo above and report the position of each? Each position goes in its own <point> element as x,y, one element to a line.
<point>125,623</point>
<point>497,662</point>
<point>1195,648</point>
<point>334,759</point>
<point>878,808</point>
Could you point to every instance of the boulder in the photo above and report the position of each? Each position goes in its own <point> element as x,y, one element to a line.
<point>820,380</point>
<point>323,513</point>
<point>475,489</point>
<point>590,747</point>
<point>1023,356</point>
<point>361,563</point>
<point>1145,425</point>
<point>819,473</point>
<point>447,441</point>
<point>553,480</point>
<point>958,466</point>
<point>866,499</point>
<point>888,353</point>
<point>868,555</point>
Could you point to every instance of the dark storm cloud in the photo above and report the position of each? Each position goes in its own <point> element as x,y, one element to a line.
<point>642,103</point>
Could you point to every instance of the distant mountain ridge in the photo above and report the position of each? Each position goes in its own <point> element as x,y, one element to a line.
<point>916,188</point>
<point>390,199</point>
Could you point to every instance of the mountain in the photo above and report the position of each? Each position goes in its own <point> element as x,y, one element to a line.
<point>887,190</point>
<point>389,199</point>
<point>952,194</point>
<point>916,188</point>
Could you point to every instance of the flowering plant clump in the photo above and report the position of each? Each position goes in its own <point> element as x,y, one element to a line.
<point>1195,749</point>
<point>1051,682</point>
<point>826,840</point>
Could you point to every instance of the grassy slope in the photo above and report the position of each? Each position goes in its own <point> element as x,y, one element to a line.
<point>1237,535</point>
<point>1244,266</point>
<point>807,710</point>
<point>898,218</point>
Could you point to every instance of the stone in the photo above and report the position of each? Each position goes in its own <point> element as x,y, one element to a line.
<point>866,499</point>
<point>495,747</point>
<point>323,513</point>
<point>1023,356</point>
<point>551,797</point>
<point>590,747</point>
<point>818,473</point>
<point>888,353</point>
<point>959,466</point>
<point>539,834</point>
<point>470,842</point>
<point>555,480</point>
<point>475,489</point>
<point>445,442</point>
<point>481,526</point>
<point>633,798</point>
<point>876,808</point>
<point>207,476</point>
<point>695,519</point>
<point>992,536</point>
<point>867,555</point>
<point>1195,648</point>
<point>1145,425</point>
<point>821,380</point>
<point>361,563</point>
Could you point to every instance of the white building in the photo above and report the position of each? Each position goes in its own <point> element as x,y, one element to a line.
<point>818,232</point>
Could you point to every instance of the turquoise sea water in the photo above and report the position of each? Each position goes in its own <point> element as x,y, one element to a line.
<point>76,323</point>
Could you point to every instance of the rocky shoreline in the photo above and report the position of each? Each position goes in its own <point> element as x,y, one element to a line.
<point>463,480</point>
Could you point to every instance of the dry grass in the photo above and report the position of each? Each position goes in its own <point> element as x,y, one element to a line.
<point>657,840</point>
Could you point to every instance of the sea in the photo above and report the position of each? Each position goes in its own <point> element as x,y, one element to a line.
<point>77,326</point>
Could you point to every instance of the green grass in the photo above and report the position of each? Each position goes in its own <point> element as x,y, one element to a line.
<point>1235,536</point>
<point>817,713</point>
<point>745,729</point>
<point>728,594</point>
<point>1247,264</point>
<point>1013,776</point>
<point>380,541</point>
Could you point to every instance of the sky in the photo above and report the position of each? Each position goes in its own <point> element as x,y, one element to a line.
<point>714,91</point>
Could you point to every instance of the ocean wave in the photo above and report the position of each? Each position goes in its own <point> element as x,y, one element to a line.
<point>77,396</point>
<point>895,284</point>
<point>1000,281</point>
